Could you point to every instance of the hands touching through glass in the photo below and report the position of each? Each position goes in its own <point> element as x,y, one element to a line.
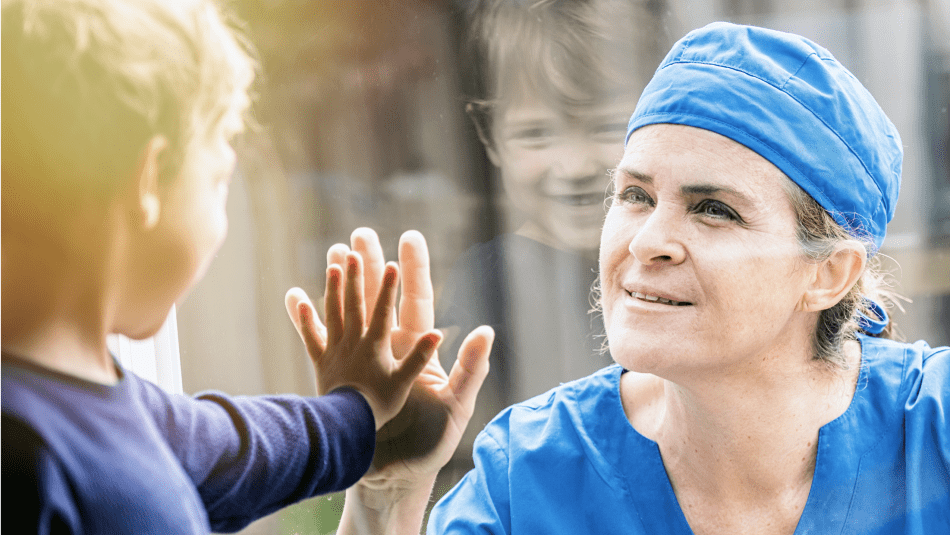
<point>413,447</point>
<point>415,444</point>
<point>421,439</point>
<point>347,351</point>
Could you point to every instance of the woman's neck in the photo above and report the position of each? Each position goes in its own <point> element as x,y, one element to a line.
<point>734,440</point>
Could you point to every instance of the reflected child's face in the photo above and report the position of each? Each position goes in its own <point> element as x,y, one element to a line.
<point>554,164</point>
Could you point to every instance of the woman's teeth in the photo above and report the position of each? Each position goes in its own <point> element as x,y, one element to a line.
<point>656,299</point>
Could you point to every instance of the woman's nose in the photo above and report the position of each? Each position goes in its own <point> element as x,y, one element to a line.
<point>658,240</point>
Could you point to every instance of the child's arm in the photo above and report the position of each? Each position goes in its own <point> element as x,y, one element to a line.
<point>413,447</point>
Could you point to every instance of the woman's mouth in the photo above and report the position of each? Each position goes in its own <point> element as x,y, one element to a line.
<point>657,299</point>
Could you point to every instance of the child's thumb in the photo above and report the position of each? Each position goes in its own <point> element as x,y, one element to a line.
<point>413,364</point>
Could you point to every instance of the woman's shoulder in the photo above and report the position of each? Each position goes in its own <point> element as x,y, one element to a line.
<point>915,375</point>
<point>560,417</point>
<point>906,360</point>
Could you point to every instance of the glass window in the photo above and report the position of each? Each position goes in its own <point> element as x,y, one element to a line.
<point>491,129</point>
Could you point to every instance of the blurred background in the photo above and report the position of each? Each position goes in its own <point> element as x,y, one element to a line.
<point>363,122</point>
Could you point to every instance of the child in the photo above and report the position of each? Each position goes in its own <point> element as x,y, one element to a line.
<point>557,83</point>
<point>116,161</point>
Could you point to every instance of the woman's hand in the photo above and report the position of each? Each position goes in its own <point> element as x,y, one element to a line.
<point>420,440</point>
<point>347,352</point>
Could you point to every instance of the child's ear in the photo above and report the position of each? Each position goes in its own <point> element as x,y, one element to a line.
<point>835,276</point>
<point>149,203</point>
<point>480,114</point>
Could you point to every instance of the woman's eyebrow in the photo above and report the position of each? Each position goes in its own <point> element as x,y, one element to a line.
<point>692,190</point>
<point>636,175</point>
<point>688,190</point>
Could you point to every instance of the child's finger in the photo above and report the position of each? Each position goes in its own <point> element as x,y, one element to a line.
<point>412,365</point>
<point>312,332</point>
<point>333,304</point>
<point>381,324</point>
<point>470,369</point>
<point>354,306</point>
<point>365,242</point>
<point>417,304</point>
<point>292,298</point>
<point>292,301</point>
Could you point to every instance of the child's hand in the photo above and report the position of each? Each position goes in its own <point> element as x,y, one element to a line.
<point>348,353</point>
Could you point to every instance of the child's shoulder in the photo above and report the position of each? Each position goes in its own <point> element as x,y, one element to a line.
<point>55,405</point>
<point>80,446</point>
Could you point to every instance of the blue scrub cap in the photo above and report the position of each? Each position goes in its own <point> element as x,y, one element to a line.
<point>789,100</point>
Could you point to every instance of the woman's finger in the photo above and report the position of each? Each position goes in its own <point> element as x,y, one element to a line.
<point>417,305</point>
<point>336,254</point>
<point>471,367</point>
<point>365,242</point>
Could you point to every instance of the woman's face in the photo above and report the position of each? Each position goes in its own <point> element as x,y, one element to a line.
<point>554,164</point>
<point>699,261</point>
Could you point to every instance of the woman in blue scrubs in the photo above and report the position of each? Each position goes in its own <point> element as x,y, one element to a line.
<point>756,389</point>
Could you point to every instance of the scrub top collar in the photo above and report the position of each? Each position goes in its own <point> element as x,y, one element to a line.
<point>632,463</point>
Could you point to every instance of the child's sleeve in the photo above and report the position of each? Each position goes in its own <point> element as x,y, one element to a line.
<point>250,456</point>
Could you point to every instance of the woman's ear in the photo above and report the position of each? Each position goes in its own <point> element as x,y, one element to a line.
<point>835,276</point>
<point>480,114</point>
<point>149,203</point>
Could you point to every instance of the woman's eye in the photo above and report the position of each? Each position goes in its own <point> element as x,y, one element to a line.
<point>717,210</point>
<point>635,195</point>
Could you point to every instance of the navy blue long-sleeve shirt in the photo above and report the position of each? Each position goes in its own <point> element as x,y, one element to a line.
<point>82,457</point>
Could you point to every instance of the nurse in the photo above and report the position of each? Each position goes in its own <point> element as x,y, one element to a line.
<point>737,278</point>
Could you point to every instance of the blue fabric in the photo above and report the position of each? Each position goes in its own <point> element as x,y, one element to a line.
<point>569,462</point>
<point>789,100</point>
<point>876,324</point>
<point>81,457</point>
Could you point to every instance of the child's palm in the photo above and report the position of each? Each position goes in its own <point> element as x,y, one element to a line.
<point>425,433</point>
<point>347,352</point>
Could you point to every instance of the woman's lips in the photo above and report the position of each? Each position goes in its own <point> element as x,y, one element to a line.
<point>657,299</point>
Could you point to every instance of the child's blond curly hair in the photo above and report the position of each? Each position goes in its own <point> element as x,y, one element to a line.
<point>86,84</point>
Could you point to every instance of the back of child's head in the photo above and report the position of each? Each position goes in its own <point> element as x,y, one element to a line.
<point>87,83</point>
<point>573,53</point>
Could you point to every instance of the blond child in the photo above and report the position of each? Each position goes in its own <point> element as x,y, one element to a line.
<point>116,162</point>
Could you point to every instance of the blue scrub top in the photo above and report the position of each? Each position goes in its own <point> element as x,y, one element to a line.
<point>569,461</point>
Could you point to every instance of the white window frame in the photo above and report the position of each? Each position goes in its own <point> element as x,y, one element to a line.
<point>156,359</point>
